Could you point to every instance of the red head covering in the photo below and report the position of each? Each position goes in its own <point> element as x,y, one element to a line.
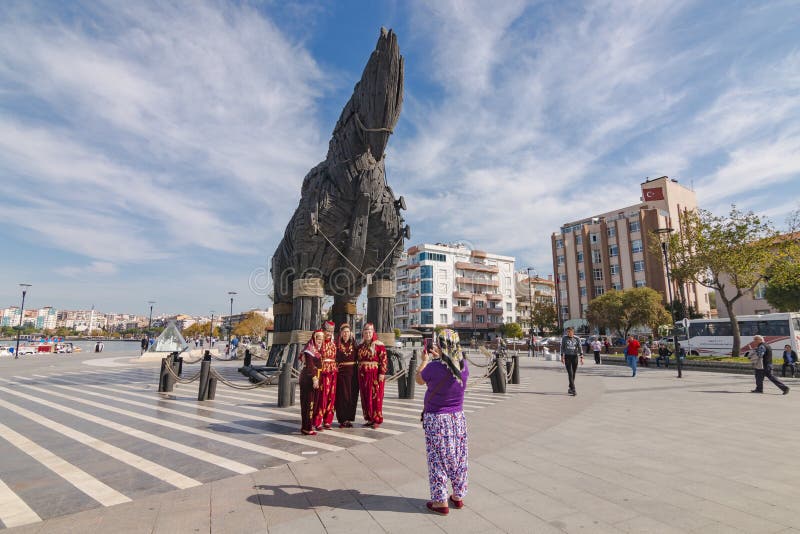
<point>329,324</point>
<point>374,333</point>
<point>310,345</point>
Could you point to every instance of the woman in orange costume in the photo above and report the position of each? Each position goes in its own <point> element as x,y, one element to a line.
<point>372,365</point>
<point>309,381</point>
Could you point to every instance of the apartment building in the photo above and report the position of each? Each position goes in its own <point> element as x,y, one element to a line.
<point>471,291</point>
<point>611,250</point>
<point>543,291</point>
<point>42,318</point>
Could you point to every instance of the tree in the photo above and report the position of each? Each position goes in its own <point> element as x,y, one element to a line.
<point>200,330</point>
<point>254,326</point>
<point>783,276</point>
<point>623,310</point>
<point>729,254</point>
<point>511,330</point>
<point>545,317</point>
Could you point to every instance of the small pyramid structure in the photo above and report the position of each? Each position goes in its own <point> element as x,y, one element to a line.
<point>170,340</point>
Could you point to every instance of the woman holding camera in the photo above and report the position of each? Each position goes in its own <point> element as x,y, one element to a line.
<point>444,371</point>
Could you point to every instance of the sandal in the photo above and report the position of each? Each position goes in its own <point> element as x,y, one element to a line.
<point>308,432</point>
<point>457,504</point>
<point>441,510</point>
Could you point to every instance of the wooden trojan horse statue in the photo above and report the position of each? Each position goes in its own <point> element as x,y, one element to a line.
<point>347,231</point>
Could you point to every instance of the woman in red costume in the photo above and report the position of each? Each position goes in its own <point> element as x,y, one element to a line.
<point>372,365</point>
<point>346,382</point>
<point>326,394</point>
<point>309,381</point>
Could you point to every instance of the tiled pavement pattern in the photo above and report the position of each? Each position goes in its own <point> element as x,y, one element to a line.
<point>73,441</point>
<point>649,454</point>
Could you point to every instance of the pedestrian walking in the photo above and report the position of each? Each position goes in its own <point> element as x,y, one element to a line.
<point>789,361</point>
<point>571,351</point>
<point>372,367</point>
<point>632,353</point>
<point>762,365</point>
<point>346,378</point>
<point>596,347</point>
<point>309,381</point>
<point>144,344</point>
<point>445,373</point>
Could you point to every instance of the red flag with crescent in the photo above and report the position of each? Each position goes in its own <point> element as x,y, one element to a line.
<point>655,193</point>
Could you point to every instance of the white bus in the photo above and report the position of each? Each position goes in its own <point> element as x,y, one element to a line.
<point>714,336</point>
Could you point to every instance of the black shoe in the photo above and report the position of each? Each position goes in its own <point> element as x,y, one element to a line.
<point>756,391</point>
<point>786,390</point>
<point>573,393</point>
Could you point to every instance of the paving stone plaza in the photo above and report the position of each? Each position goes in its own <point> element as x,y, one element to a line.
<point>90,445</point>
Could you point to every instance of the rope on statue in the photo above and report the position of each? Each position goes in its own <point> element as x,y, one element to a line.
<point>180,380</point>
<point>353,265</point>
<point>227,382</point>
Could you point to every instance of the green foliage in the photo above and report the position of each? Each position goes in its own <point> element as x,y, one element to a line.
<point>783,276</point>
<point>620,311</point>
<point>729,254</point>
<point>254,326</point>
<point>201,330</point>
<point>545,317</point>
<point>397,333</point>
<point>511,330</point>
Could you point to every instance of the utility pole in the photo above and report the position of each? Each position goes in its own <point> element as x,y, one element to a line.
<point>21,314</point>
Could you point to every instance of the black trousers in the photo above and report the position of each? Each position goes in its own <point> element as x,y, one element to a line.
<point>571,363</point>
<point>791,366</point>
<point>767,372</point>
<point>597,356</point>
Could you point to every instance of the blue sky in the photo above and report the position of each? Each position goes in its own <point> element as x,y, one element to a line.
<point>155,150</point>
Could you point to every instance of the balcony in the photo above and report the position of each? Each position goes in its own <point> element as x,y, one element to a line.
<point>462,309</point>
<point>477,281</point>
<point>402,274</point>
<point>495,311</point>
<point>400,314</point>
<point>471,326</point>
<point>494,296</point>
<point>477,267</point>
<point>462,294</point>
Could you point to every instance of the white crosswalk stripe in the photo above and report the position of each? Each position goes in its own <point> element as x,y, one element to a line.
<point>97,490</point>
<point>167,475</point>
<point>14,512</point>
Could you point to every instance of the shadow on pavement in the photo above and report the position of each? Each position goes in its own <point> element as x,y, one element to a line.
<point>308,497</point>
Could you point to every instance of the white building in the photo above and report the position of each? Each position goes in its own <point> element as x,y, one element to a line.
<point>470,291</point>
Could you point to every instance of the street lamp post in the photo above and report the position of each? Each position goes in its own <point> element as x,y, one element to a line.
<point>663,235</point>
<point>211,327</point>
<point>230,317</point>
<point>150,320</point>
<point>21,314</point>
<point>530,311</point>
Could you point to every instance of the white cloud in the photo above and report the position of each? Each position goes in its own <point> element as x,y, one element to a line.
<point>94,268</point>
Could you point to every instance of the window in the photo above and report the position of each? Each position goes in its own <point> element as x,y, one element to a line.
<point>463,302</point>
<point>580,257</point>
<point>563,294</point>
<point>431,256</point>
<point>583,291</point>
<point>443,318</point>
<point>564,311</point>
<point>636,245</point>
<point>426,286</point>
<point>427,302</point>
<point>594,238</point>
<point>559,243</point>
<point>596,256</point>
<point>638,266</point>
<point>579,240</point>
<point>480,319</point>
<point>613,250</point>
<point>442,303</point>
<point>634,226</point>
<point>581,276</point>
<point>597,274</point>
<point>611,231</point>
<point>426,271</point>
<point>760,291</point>
<point>560,260</point>
<point>508,306</point>
<point>614,268</point>
<point>616,286</point>
<point>640,283</point>
<point>480,304</point>
<point>562,277</point>
<point>599,291</point>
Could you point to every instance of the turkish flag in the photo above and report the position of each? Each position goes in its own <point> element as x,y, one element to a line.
<point>653,194</point>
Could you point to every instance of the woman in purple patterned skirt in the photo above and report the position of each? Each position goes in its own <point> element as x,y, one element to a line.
<point>444,371</point>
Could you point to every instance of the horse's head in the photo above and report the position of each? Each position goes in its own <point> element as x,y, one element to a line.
<point>374,108</point>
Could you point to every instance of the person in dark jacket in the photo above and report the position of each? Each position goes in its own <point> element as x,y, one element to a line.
<point>789,361</point>
<point>762,365</point>
<point>571,350</point>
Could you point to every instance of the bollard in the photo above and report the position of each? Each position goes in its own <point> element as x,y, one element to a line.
<point>205,368</point>
<point>285,386</point>
<point>247,358</point>
<point>498,377</point>
<point>412,371</point>
<point>515,372</point>
<point>162,378</point>
<point>177,364</point>
<point>212,388</point>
